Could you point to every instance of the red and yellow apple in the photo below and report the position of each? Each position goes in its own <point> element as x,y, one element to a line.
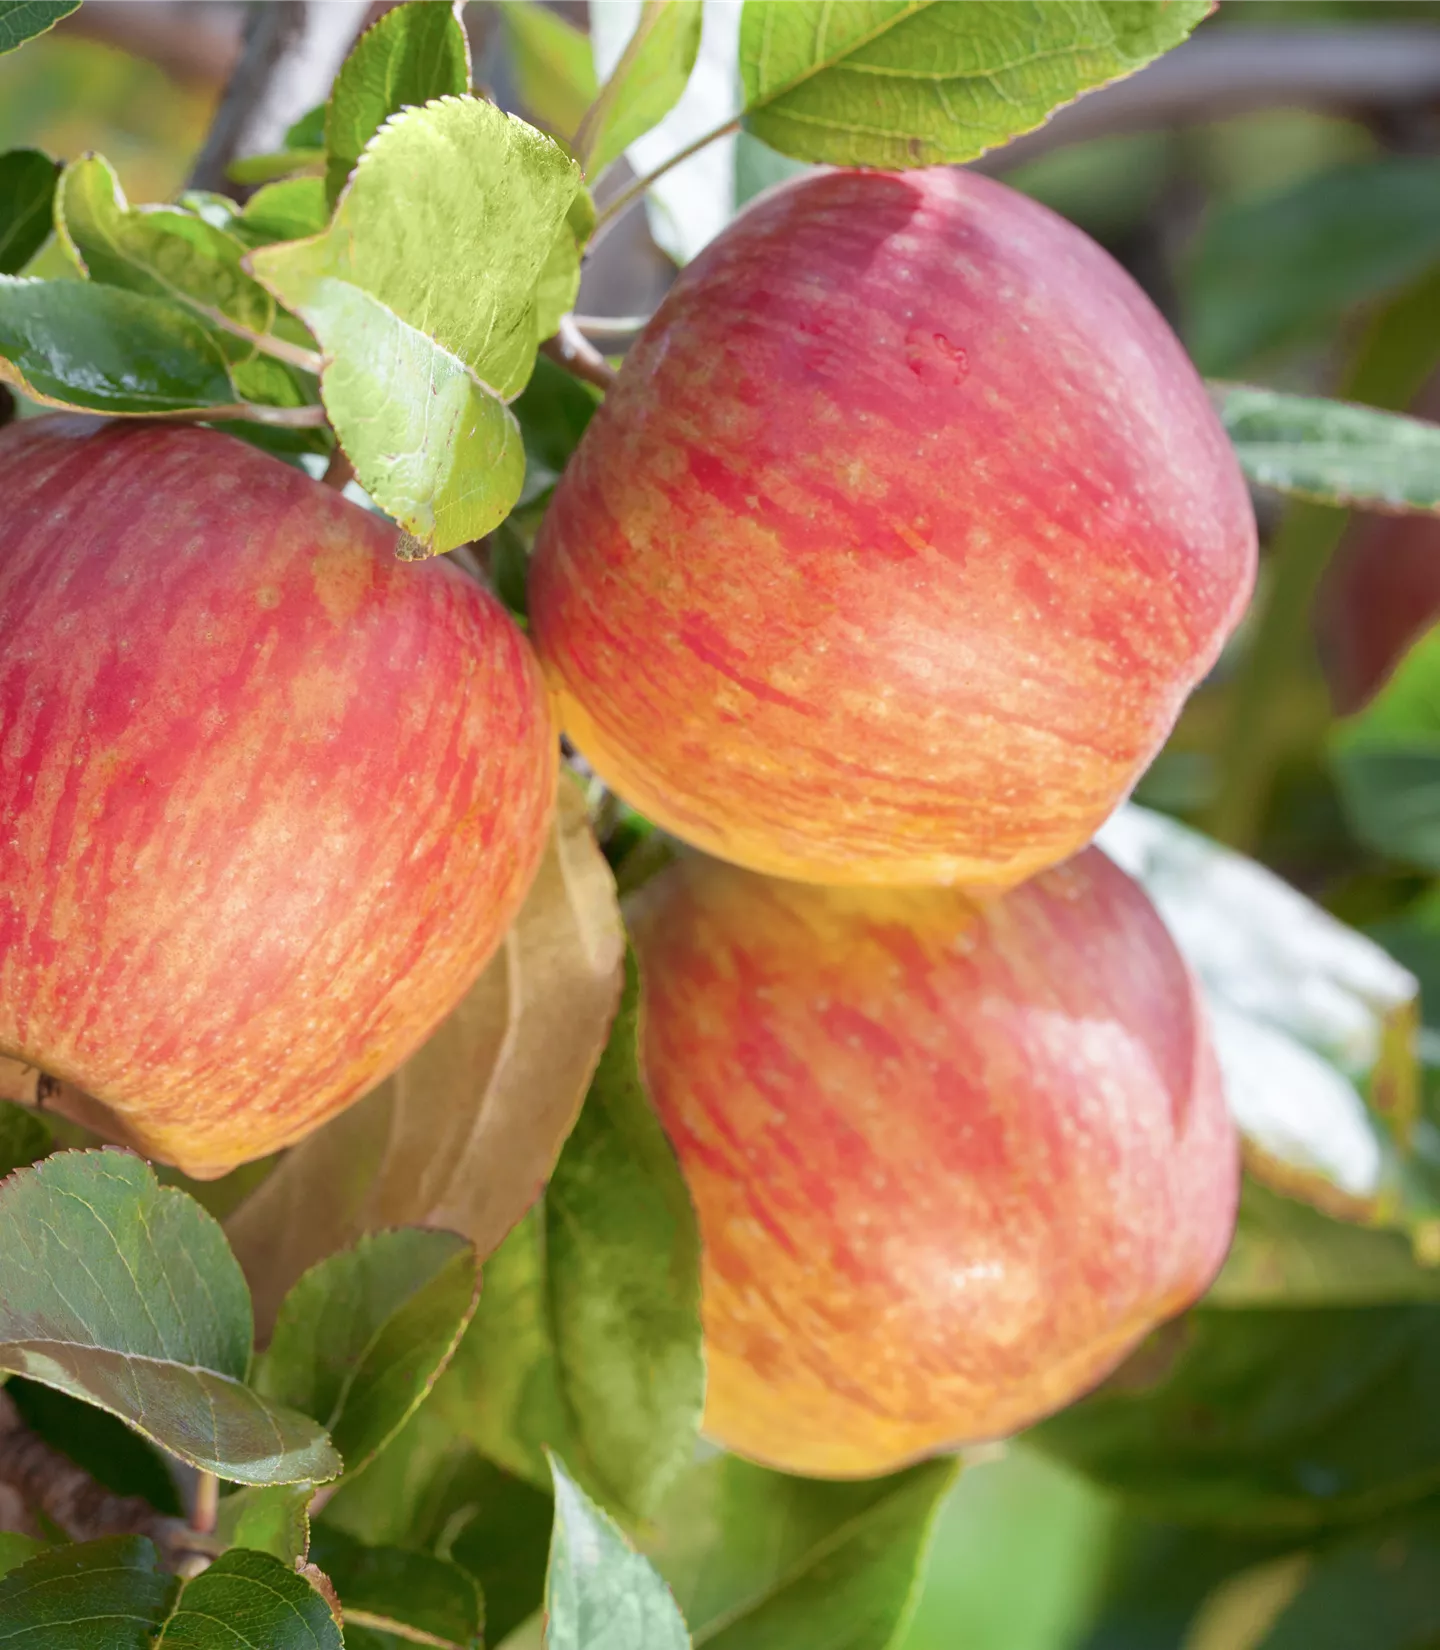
<point>951,1160</point>
<point>896,548</point>
<point>268,796</point>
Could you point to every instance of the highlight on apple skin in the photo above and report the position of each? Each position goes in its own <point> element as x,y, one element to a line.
<point>951,1160</point>
<point>269,796</point>
<point>900,541</point>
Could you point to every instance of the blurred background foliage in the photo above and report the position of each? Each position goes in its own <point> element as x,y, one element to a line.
<point>1297,247</point>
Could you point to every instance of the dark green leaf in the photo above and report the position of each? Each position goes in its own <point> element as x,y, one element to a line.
<point>1311,1020</point>
<point>1272,269</point>
<point>22,20</point>
<point>126,1294</point>
<point>16,1550</point>
<point>503,1543</point>
<point>27,188</point>
<point>109,1594</point>
<point>285,211</point>
<point>920,82</point>
<point>98,349</point>
<point>250,1599</point>
<point>422,294</point>
<point>107,1449</point>
<point>600,1594</point>
<point>414,53</point>
<point>25,1137</point>
<point>274,1519</point>
<point>1281,1419</point>
<point>309,131</point>
<point>391,1590</point>
<point>362,1337</point>
<point>588,1336</point>
<point>553,410</point>
<point>1387,760</point>
<point>161,251</point>
<point>553,66</point>
<point>1332,451</point>
<point>758,1559</point>
<point>646,83</point>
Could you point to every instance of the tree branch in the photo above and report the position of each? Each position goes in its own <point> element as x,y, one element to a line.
<point>571,349</point>
<point>291,52</point>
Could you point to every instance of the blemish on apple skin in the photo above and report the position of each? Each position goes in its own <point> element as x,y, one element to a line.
<point>267,597</point>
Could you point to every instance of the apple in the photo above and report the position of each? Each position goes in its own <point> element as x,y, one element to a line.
<point>951,1159</point>
<point>269,796</point>
<point>896,548</point>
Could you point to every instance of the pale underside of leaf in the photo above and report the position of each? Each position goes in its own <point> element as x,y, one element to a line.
<point>466,1133</point>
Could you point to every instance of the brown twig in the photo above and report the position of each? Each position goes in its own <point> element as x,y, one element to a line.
<point>571,349</point>
<point>339,470</point>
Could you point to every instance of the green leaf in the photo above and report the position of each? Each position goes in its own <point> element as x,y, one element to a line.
<point>552,63</point>
<point>921,82</point>
<point>645,85</point>
<point>106,1448</point>
<point>422,294</point>
<point>109,1593</point>
<point>99,349</point>
<point>414,53</point>
<point>126,1294</point>
<point>16,1550</point>
<point>273,1519</point>
<point>27,189</point>
<point>22,20</point>
<point>158,250</point>
<point>588,1336</point>
<point>1386,759</point>
<point>309,131</point>
<point>1332,451</point>
<point>391,1590</point>
<point>1283,1419</point>
<point>1379,1588</point>
<point>503,1542</point>
<point>25,1137</point>
<point>1314,1024</point>
<point>1272,270</point>
<point>362,1337</point>
<point>758,1559</point>
<point>600,1593</point>
<point>285,211</point>
<point>554,410</point>
<point>281,163</point>
<point>250,1599</point>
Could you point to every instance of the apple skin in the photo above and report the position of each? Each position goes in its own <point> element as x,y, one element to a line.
<point>896,548</point>
<point>951,1160</point>
<point>270,797</point>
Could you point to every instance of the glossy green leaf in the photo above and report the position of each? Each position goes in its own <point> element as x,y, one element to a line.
<point>1283,1419</point>
<point>552,63</point>
<point>588,1335</point>
<point>422,295</point>
<point>1270,270</point>
<point>1332,451</point>
<point>391,1590</point>
<point>921,82</point>
<point>250,1599</point>
<point>25,1137</point>
<point>111,1594</point>
<point>22,20</point>
<point>758,1559</point>
<point>1314,1024</point>
<point>645,85</point>
<point>274,1519</point>
<point>126,1294</point>
<point>113,1455</point>
<point>600,1594</point>
<point>1387,760</point>
<point>159,250</point>
<point>285,211</point>
<point>414,53</point>
<point>99,349</point>
<point>362,1337</point>
<point>27,189</point>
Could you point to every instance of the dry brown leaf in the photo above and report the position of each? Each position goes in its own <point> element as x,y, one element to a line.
<point>466,1133</point>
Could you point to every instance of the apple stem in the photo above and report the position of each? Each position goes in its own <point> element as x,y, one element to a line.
<point>574,351</point>
<point>206,1509</point>
<point>339,470</point>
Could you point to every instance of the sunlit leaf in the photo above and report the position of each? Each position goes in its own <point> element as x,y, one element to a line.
<point>123,1293</point>
<point>274,1519</point>
<point>466,1133</point>
<point>553,71</point>
<point>645,84</point>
